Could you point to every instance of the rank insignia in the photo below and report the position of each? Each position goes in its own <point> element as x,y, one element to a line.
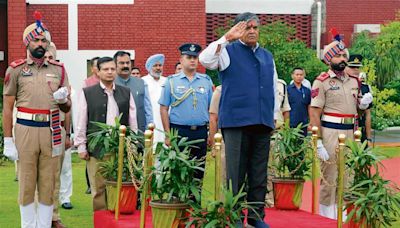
<point>26,72</point>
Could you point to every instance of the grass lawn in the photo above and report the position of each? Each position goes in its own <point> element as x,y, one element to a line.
<point>81,214</point>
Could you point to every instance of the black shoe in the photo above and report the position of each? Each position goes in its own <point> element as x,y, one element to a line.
<point>88,191</point>
<point>16,179</point>
<point>67,206</point>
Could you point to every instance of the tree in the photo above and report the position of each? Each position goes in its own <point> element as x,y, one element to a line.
<point>383,49</point>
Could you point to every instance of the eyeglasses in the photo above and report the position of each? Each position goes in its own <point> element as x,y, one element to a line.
<point>354,67</point>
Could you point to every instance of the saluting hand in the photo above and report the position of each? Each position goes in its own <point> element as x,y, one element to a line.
<point>236,31</point>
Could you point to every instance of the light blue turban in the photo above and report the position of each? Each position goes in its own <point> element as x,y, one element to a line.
<point>153,60</point>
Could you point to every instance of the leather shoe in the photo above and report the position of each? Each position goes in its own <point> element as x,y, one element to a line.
<point>67,206</point>
<point>88,191</point>
<point>57,224</point>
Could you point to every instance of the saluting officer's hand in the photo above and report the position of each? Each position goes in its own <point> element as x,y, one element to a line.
<point>236,31</point>
<point>84,155</point>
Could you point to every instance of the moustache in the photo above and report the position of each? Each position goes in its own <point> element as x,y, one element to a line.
<point>125,68</point>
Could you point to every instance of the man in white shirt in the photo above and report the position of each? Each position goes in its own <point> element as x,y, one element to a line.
<point>155,81</point>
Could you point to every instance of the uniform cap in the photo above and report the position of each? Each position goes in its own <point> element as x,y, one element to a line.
<point>191,49</point>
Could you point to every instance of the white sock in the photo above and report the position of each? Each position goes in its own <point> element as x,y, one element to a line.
<point>44,216</point>
<point>329,211</point>
<point>28,216</point>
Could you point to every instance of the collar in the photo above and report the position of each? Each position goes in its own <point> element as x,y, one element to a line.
<point>183,75</point>
<point>123,79</point>
<point>254,48</point>
<point>39,62</point>
<point>104,87</point>
<point>343,78</point>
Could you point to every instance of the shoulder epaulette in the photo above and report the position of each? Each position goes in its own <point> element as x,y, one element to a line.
<point>17,62</point>
<point>323,76</point>
<point>56,63</point>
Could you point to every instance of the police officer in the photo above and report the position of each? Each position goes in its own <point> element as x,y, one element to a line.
<point>39,89</point>
<point>334,104</point>
<point>364,120</point>
<point>188,96</point>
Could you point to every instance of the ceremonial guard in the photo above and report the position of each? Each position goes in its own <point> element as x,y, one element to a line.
<point>334,105</point>
<point>39,89</point>
<point>364,119</point>
<point>188,96</point>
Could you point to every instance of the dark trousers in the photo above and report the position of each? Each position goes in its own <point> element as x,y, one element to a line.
<point>200,149</point>
<point>246,153</point>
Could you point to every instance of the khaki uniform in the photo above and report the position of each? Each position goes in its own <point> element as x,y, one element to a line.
<point>33,88</point>
<point>283,101</point>
<point>334,96</point>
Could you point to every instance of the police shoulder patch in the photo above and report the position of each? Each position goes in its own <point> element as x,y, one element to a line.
<point>17,62</point>
<point>323,76</point>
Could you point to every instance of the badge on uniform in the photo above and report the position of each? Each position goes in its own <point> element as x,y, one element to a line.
<point>26,71</point>
<point>201,89</point>
<point>314,92</point>
<point>333,85</point>
<point>192,48</point>
<point>180,89</point>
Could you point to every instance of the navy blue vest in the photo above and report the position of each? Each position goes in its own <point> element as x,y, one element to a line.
<point>247,96</point>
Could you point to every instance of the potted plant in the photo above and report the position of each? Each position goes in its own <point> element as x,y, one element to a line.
<point>291,162</point>
<point>220,214</point>
<point>173,182</point>
<point>370,200</point>
<point>106,137</point>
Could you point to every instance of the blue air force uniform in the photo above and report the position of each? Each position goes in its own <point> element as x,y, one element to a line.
<point>189,102</point>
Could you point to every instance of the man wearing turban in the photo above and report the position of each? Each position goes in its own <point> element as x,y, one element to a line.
<point>155,81</point>
<point>334,105</point>
<point>40,90</point>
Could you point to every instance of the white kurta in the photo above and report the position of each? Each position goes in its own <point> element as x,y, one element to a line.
<point>155,88</point>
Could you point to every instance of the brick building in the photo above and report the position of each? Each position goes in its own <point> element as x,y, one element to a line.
<point>82,29</point>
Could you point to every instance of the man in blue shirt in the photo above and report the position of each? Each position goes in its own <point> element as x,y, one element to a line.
<point>138,87</point>
<point>299,99</point>
<point>188,96</point>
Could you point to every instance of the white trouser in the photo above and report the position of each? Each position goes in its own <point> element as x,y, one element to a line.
<point>66,178</point>
<point>40,218</point>
<point>330,211</point>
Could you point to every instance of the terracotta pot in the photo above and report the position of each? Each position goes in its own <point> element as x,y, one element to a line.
<point>287,193</point>
<point>354,224</point>
<point>168,215</point>
<point>127,198</point>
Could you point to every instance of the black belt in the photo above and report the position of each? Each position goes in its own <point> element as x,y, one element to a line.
<point>193,127</point>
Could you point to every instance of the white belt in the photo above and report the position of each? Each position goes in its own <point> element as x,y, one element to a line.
<point>339,120</point>
<point>35,117</point>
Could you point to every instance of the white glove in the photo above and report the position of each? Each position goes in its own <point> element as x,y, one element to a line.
<point>10,150</point>
<point>365,101</point>
<point>322,153</point>
<point>61,95</point>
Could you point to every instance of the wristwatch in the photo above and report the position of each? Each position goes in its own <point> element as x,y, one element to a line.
<point>369,139</point>
<point>68,134</point>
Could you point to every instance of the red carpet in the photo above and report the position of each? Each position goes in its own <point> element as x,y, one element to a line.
<point>276,218</point>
